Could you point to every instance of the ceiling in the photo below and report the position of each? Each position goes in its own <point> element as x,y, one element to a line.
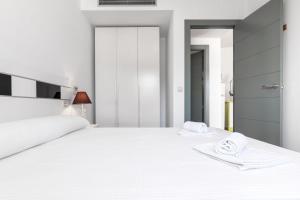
<point>159,18</point>
<point>226,35</point>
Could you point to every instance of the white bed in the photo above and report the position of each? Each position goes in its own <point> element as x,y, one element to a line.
<point>139,164</point>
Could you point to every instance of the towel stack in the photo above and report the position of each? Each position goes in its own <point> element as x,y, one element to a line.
<point>234,144</point>
<point>234,150</point>
<point>193,128</point>
<point>197,127</point>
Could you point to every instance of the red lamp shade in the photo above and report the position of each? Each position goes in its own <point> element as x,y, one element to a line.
<point>82,98</point>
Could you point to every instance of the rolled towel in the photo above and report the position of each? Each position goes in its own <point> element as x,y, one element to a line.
<point>197,127</point>
<point>250,158</point>
<point>232,145</point>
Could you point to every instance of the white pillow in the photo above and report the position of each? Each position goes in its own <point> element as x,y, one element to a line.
<point>18,136</point>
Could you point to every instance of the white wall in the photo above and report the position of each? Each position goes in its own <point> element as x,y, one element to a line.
<point>227,69</point>
<point>192,9</point>
<point>22,108</point>
<point>49,41</point>
<point>252,5</point>
<point>215,110</point>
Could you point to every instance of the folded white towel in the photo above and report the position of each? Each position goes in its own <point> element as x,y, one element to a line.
<point>234,144</point>
<point>250,158</point>
<point>197,127</point>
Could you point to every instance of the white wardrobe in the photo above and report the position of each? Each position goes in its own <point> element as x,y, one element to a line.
<point>127,82</point>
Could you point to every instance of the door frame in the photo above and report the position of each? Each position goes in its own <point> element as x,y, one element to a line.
<point>188,26</point>
<point>205,48</point>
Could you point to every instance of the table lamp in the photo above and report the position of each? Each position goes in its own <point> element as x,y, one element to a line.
<point>82,98</point>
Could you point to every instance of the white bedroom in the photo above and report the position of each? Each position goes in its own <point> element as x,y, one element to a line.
<point>149,100</point>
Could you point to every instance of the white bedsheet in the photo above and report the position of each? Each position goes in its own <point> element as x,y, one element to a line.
<point>139,164</point>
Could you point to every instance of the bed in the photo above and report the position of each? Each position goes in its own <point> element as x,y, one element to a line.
<point>139,164</point>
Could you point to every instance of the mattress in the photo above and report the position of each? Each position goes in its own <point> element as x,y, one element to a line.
<point>139,164</point>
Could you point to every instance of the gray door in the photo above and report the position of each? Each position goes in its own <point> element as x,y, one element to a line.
<point>197,91</point>
<point>257,74</point>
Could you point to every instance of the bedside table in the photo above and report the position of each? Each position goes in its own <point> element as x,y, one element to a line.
<point>94,126</point>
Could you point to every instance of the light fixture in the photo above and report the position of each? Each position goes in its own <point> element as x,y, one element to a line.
<point>82,98</point>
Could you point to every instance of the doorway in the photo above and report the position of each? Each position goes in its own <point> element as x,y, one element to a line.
<point>199,71</point>
<point>258,66</point>
<point>214,103</point>
<point>197,85</point>
<point>214,92</point>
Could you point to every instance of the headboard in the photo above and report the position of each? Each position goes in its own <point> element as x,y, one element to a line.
<point>23,97</point>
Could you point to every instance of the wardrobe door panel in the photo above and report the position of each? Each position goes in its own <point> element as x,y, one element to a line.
<point>105,76</point>
<point>149,73</point>
<point>127,78</point>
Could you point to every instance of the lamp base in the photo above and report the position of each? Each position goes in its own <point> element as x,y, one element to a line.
<point>83,111</point>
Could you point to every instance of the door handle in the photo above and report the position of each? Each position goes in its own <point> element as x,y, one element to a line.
<point>231,93</point>
<point>270,87</point>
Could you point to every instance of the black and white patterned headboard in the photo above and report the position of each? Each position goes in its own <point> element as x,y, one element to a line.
<point>23,98</point>
<point>16,86</point>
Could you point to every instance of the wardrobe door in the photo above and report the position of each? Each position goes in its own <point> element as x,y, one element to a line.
<point>105,76</point>
<point>149,73</point>
<point>127,78</point>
